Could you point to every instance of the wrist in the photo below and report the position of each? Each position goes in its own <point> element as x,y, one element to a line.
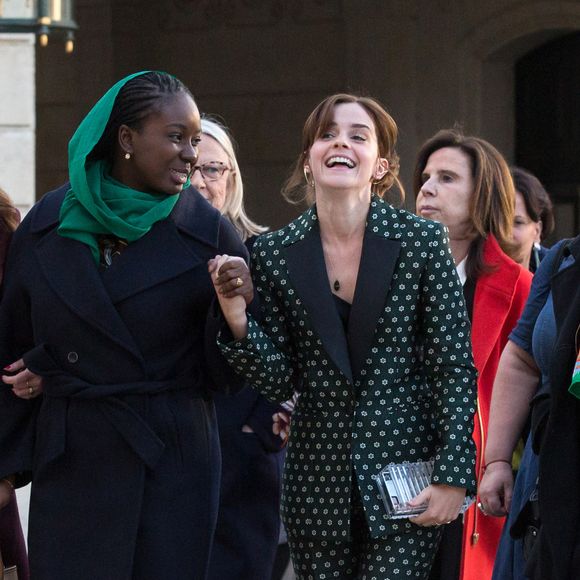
<point>497,461</point>
<point>239,326</point>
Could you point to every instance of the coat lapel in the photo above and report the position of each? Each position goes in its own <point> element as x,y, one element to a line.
<point>70,270</point>
<point>307,271</point>
<point>305,259</point>
<point>491,304</point>
<point>132,271</point>
<point>378,260</point>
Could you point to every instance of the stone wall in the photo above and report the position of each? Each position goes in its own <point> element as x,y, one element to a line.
<point>262,65</point>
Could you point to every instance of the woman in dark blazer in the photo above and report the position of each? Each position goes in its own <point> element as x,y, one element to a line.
<point>106,298</point>
<point>361,303</point>
<point>248,523</point>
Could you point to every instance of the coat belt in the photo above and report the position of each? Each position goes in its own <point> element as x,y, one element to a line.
<point>132,427</point>
<point>59,388</point>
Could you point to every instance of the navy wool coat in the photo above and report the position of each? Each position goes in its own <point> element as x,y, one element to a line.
<point>399,385</point>
<point>122,448</point>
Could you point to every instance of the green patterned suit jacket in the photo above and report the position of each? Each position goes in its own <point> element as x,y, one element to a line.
<point>399,385</point>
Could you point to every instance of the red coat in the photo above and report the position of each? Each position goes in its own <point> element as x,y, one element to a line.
<point>499,299</point>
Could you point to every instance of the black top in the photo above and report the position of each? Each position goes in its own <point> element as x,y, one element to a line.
<point>469,295</point>
<point>343,307</point>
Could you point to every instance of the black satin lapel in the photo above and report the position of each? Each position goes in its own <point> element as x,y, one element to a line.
<point>378,260</point>
<point>307,272</point>
<point>159,256</point>
<point>70,270</point>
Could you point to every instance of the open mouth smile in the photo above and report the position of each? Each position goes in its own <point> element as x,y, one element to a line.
<point>340,160</point>
<point>180,175</point>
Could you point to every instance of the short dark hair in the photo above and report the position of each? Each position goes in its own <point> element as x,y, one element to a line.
<point>139,98</point>
<point>537,200</point>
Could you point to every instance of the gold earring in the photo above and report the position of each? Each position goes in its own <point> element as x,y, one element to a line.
<point>127,156</point>
<point>306,174</point>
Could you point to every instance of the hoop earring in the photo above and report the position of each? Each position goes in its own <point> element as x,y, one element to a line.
<point>127,156</point>
<point>306,174</point>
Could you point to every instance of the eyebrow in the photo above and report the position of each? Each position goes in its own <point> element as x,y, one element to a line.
<point>353,126</point>
<point>178,125</point>
<point>448,171</point>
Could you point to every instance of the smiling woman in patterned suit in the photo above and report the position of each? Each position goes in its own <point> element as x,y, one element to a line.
<point>362,302</point>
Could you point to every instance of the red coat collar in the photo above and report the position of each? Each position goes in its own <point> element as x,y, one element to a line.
<point>494,293</point>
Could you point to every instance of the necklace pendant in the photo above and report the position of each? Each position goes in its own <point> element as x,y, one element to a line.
<point>336,285</point>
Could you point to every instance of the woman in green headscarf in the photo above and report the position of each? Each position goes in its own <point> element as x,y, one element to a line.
<point>106,298</point>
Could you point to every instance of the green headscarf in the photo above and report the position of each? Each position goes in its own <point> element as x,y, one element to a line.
<point>96,203</point>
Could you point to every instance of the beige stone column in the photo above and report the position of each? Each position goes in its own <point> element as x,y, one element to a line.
<point>17,144</point>
<point>17,118</point>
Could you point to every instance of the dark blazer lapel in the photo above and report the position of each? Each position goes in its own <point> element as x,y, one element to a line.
<point>70,270</point>
<point>131,272</point>
<point>157,257</point>
<point>377,265</point>
<point>307,271</point>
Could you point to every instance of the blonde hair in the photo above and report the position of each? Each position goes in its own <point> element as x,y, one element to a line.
<point>296,190</point>
<point>233,207</point>
<point>9,216</point>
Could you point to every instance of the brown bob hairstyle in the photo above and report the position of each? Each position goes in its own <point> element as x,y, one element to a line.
<point>492,207</point>
<point>296,189</point>
<point>536,199</point>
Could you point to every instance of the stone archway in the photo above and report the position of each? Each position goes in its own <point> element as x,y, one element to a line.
<point>489,53</point>
<point>548,124</point>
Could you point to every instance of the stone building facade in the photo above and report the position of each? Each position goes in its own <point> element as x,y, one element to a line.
<point>262,65</point>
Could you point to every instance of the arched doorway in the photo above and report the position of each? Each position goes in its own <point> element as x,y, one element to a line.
<point>548,124</point>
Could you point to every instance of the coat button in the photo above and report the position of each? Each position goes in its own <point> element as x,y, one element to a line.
<point>72,357</point>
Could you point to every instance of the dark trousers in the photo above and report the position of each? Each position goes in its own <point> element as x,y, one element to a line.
<point>394,557</point>
<point>447,562</point>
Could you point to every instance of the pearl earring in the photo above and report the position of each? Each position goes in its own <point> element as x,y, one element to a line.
<point>127,156</point>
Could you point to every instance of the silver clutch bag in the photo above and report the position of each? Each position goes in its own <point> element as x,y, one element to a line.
<point>399,483</point>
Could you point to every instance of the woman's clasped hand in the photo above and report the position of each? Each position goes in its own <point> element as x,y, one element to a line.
<point>25,384</point>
